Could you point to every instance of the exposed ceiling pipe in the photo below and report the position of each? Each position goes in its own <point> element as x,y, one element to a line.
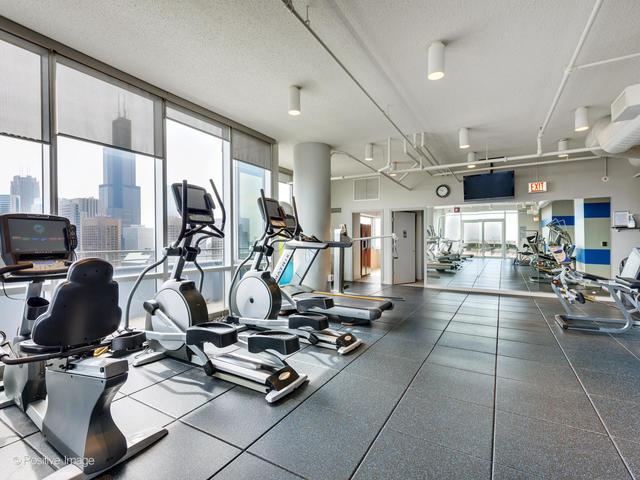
<point>520,165</point>
<point>307,25</point>
<point>568,70</point>
<point>608,60</point>
<point>365,164</point>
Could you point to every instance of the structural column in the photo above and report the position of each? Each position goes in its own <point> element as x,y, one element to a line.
<point>312,189</point>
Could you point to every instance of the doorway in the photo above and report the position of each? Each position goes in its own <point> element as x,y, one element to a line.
<point>405,260</point>
<point>370,251</point>
<point>484,238</point>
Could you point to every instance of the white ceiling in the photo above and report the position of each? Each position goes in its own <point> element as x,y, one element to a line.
<point>504,60</point>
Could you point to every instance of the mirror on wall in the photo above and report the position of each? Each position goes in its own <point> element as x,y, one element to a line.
<point>511,246</point>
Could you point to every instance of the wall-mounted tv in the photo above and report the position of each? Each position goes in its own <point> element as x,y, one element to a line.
<point>489,186</point>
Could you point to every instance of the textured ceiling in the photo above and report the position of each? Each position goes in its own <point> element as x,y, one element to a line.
<point>504,60</point>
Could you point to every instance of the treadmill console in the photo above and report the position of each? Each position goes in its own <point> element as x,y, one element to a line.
<point>200,205</point>
<point>42,244</point>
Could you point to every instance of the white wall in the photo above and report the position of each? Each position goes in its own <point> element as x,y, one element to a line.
<point>565,181</point>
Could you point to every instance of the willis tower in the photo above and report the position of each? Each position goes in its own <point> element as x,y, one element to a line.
<point>119,196</point>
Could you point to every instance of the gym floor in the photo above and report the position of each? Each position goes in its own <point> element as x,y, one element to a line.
<point>449,385</point>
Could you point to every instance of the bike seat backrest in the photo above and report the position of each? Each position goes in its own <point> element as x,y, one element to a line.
<point>83,309</point>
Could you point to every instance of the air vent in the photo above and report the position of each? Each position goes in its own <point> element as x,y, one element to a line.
<point>366,188</point>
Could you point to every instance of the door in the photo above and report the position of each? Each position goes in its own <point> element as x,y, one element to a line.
<point>365,250</point>
<point>493,239</point>
<point>404,267</point>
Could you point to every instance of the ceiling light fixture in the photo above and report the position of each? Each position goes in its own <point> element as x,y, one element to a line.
<point>435,62</point>
<point>463,138</point>
<point>471,159</point>
<point>368,152</point>
<point>562,146</point>
<point>581,120</point>
<point>294,100</point>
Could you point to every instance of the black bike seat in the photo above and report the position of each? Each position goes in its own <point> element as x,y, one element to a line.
<point>218,334</point>
<point>282,342</point>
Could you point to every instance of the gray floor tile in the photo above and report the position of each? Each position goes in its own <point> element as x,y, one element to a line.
<point>527,336</point>
<point>431,323</point>
<point>473,329</point>
<point>250,467</point>
<point>327,358</point>
<point>166,459</point>
<point>416,333</point>
<point>147,375</point>
<point>451,382</point>
<point>452,423</point>
<point>317,443</point>
<point>468,342</point>
<point>622,418</point>
<point>631,453</point>
<point>568,407</point>
<point>476,319</point>
<point>502,472</point>
<point>432,313</point>
<point>386,368</point>
<point>18,421</point>
<point>553,450</point>
<point>182,393</point>
<point>363,397</point>
<point>527,351</point>
<point>395,456</point>
<point>133,417</point>
<point>617,362</point>
<point>7,435</point>
<point>532,325</point>
<point>530,371</point>
<point>400,347</point>
<point>19,461</point>
<point>317,374</point>
<point>239,416</point>
<point>463,359</point>
<point>606,384</point>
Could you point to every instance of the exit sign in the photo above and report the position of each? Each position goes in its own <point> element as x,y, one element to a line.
<point>537,187</point>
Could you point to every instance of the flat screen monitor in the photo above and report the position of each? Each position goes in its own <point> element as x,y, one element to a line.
<point>489,186</point>
<point>35,236</point>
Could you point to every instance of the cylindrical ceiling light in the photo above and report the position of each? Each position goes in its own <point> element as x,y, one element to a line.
<point>471,160</point>
<point>562,146</point>
<point>294,100</point>
<point>435,62</point>
<point>581,120</point>
<point>368,152</point>
<point>463,138</point>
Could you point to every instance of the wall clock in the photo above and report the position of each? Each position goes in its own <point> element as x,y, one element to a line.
<point>443,190</point>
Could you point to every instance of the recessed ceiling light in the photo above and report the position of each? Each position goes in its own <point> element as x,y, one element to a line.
<point>294,100</point>
<point>435,61</point>
<point>463,138</point>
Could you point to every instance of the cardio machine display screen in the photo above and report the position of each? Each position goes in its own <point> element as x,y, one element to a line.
<point>273,210</point>
<point>37,236</point>
<point>632,266</point>
<point>196,200</point>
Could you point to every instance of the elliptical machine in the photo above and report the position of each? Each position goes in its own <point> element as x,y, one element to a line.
<point>255,299</point>
<point>177,321</point>
<point>54,370</point>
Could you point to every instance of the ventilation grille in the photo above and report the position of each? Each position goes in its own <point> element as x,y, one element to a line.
<point>366,188</point>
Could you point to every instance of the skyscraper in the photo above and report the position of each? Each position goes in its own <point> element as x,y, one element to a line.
<point>119,194</point>
<point>77,210</point>
<point>9,203</point>
<point>101,234</point>
<point>27,188</point>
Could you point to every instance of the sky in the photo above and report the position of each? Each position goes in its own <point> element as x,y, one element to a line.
<point>191,154</point>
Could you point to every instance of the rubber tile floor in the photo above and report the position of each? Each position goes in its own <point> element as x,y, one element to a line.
<point>447,386</point>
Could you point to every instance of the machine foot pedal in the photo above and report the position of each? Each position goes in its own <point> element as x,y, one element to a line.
<point>315,321</point>
<point>282,342</point>
<point>218,334</point>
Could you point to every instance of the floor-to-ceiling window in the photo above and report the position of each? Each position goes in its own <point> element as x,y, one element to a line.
<point>251,173</point>
<point>106,166</point>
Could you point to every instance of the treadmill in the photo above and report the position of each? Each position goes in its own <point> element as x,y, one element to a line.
<point>349,308</point>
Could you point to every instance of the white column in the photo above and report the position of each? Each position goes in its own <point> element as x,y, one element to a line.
<point>312,189</point>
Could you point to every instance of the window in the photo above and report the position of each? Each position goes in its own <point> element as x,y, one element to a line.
<point>196,152</point>
<point>109,194</point>
<point>285,187</point>
<point>21,175</point>
<point>248,180</point>
<point>251,172</point>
